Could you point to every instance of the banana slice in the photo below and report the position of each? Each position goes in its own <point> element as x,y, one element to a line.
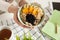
<point>35,11</point>
<point>31,8</point>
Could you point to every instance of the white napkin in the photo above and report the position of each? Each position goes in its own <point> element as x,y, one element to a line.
<point>4,5</point>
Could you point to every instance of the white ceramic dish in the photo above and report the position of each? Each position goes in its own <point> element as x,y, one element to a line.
<point>36,4</point>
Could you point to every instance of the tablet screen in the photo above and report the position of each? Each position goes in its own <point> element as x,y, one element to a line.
<point>56,5</point>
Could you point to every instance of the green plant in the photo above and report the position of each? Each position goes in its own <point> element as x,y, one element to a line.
<point>17,37</point>
<point>27,37</point>
<point>24,37</point>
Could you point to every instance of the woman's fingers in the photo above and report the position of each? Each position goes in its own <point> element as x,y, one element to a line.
<point>13,9</point>
<point>22,2</point>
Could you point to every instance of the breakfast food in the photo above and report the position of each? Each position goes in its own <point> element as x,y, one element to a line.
<point>31,15</point>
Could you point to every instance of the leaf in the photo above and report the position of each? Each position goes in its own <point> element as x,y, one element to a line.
<point>17,37</point>
<point>29,37</point>
<point>24,38</point>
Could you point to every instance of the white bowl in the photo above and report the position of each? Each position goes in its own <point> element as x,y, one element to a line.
<point>19,18</point>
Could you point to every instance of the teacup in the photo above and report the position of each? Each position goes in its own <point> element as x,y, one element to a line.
<point>6,33</point>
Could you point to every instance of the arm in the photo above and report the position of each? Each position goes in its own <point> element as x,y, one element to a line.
<point>14,10</point>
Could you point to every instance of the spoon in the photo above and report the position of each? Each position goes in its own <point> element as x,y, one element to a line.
<point>55,28</point>
<point>6,39</point>
<point>2,12</point>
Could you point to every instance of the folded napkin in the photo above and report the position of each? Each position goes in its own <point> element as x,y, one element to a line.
<point>49,28</point>
<point>55,18</point>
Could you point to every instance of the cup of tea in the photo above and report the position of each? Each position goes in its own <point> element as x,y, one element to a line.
<point>6,33</point>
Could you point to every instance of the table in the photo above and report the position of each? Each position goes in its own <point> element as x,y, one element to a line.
<point>6,19</point>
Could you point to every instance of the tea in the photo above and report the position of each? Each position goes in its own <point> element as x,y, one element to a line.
<point>5,34</point>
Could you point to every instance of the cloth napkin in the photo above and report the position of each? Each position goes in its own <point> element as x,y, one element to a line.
<point>49,28</point>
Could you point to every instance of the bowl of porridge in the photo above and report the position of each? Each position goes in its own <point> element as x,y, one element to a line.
<point>31,15</point>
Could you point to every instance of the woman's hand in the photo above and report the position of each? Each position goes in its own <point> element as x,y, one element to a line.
<point>14,10</point>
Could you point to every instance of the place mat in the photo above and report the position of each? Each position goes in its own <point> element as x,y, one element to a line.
<point>7,20</point>
<point>18,30</point>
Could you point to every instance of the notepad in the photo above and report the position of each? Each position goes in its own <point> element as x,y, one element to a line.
<point>49,28</point>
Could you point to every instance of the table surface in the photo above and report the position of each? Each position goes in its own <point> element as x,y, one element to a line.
<point>6,19</point>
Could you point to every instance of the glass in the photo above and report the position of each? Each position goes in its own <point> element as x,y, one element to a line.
<point>9,1</point>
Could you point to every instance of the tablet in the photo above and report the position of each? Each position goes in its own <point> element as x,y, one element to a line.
<point>55,5</point>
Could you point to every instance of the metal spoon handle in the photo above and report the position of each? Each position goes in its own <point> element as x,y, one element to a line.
<point>2,12</point>
<point>55,28</point>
